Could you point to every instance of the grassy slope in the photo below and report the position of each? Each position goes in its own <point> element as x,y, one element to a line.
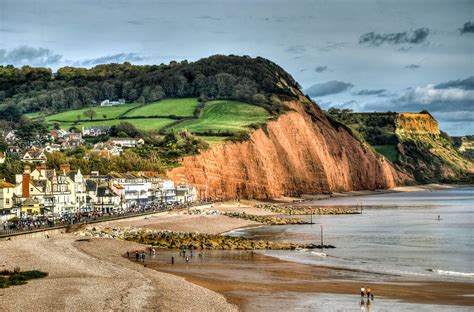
<point>111,113</point>
<point>225,116</point>
<point>217,116</point>
<point>389,151</point>
<point>176,107</point>
<point>145,124</point>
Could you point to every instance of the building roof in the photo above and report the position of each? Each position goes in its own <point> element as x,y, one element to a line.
<point>104,190</point>
<point>34,152</point>
<point>5,184</point>
<point>91,185</point>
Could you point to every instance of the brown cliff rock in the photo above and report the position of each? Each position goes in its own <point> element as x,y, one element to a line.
<point>302,152</point>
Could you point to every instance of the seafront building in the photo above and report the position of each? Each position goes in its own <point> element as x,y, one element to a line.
<point>57,193</point>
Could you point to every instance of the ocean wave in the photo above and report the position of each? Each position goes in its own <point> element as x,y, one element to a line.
<point>452,273</point>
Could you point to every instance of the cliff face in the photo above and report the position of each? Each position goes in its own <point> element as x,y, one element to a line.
<point>416,123</point>
<point>302,152</point>
<point>426,153</point>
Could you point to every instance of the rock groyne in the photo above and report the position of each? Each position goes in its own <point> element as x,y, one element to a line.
<point>177,240</point>
<point>308,210</point>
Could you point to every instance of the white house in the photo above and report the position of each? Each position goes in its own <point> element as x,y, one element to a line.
<point>34,155</point>
<point>50,148</point>
<point>95,131</point>
<point>112,103</point>
<point>10,137</point>
<point>126,142</point>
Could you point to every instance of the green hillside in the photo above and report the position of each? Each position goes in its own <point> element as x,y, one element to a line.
<point>228,116</point>
<point>145,124</point>
<point>176,107</point>
<point>102,112</point>
<point>217,117</point>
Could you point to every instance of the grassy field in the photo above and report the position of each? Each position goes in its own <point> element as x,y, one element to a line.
<point>225,116</point>
<point>211,140</point>
<point>146,124</point>
<point>33,115</point>
<point>105,112</point>
<point>389,151</point>
<point>176,107</point>
<point>229,116</point>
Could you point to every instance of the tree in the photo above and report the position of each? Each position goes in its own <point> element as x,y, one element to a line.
<point>90,113</point>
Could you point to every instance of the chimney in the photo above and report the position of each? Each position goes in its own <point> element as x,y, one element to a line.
<point>65,168</point>
<point>25,184</point>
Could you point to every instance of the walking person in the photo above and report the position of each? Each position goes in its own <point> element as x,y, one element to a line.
<point>187,259</point>
<point>172,260</point>
<point>137,256</point>
<point>369,291</point>
<point>362,292</point>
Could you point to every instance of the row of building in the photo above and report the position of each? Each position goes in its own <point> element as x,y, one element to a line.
<point>50,192</point>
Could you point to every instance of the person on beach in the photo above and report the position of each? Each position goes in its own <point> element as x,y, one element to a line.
<point>372,296</point>
<point>187,259</point>
<point>137,256</point>
<point>143,256</point>
<point>172,260</point>
<point>362,291</point>
<point>128,254</point>
<point>368,292</point>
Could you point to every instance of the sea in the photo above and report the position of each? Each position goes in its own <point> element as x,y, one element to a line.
<point>414,235</point>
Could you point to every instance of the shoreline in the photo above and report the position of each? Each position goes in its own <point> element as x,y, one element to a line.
<point>398,189</point>
<point>262,274</point>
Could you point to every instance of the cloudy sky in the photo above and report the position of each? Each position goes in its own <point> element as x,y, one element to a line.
<point>365,55</point>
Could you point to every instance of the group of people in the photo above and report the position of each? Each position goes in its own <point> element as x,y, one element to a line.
<point>366,292</point>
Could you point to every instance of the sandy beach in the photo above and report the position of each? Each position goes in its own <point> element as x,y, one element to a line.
<point>94,275</point>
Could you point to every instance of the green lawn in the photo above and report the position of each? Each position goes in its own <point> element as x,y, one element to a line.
<point>211,140</point>
<point>225,116</point>
<point>110,112</point>
<point>389,151</point>
<point>33,115</point>
<point>145,124</point>
<point>176,107</point>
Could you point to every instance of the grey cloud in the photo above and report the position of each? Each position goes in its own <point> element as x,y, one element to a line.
<point>331,46</point>
<point>370,92</point>
<point>320,69</point>
<point>330,87</point>
<point>135,22</point>
<point>208,17</point>
<point>467,28</point>
<point>412,66</point>
<point>465,84</point>
<point>116,58</point>
<point>452,96</point>
<point>411,37</point>
<point>296,49</point>
<point>26,55</point>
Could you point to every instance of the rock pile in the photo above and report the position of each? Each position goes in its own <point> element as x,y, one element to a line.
<point>271,220</point>
<point>307,210</point>
<point>176,240</point>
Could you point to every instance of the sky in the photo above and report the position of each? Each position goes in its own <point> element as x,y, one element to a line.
<point>364,55</point>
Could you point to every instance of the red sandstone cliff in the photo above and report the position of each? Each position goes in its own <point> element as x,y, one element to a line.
<point>300,153</point>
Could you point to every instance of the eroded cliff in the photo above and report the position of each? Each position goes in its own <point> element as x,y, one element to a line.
<point>302,152</point>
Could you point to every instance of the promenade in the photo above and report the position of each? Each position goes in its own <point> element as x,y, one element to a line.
<point>30,225</point>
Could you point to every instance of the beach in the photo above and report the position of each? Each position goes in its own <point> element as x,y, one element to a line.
<point>94,274</point>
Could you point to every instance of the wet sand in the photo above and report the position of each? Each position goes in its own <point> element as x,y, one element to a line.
<point>243,277</point>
